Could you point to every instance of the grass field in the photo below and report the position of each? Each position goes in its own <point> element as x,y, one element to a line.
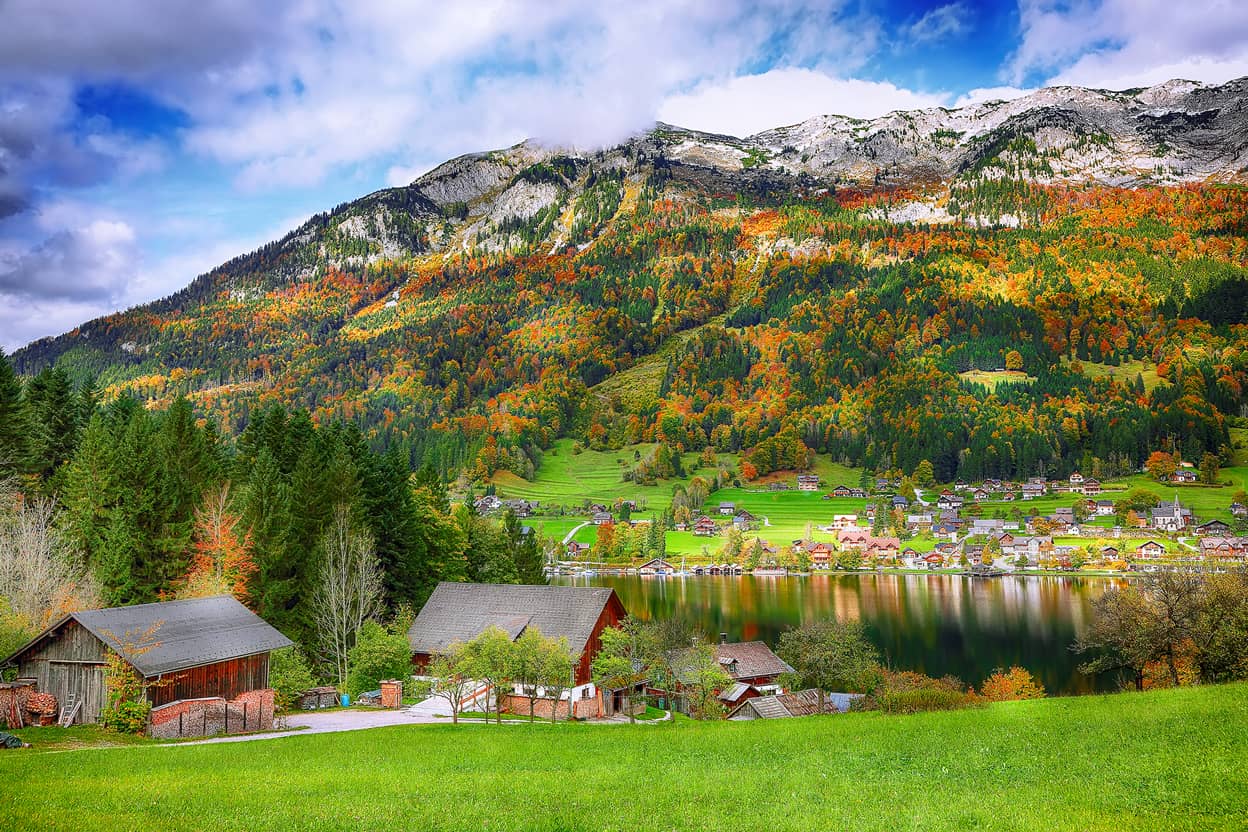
<point>1170,760</point>
<point>1125,372</point>
<point>991,378</point>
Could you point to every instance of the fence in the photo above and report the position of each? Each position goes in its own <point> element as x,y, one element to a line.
<point>252,711</point>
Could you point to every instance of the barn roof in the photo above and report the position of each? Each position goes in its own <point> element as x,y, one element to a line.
<point>184,634</point>
<point>461,612</point>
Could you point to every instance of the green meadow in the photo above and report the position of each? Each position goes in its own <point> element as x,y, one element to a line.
<point>1166,760</point>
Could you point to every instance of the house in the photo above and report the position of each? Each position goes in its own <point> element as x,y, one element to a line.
<point>883,483</point>
<point>949,502</point>
<point>1032,490</point>
<point>1171,517</point>
<point>750,662</point>
<point>656,566</point>
<point>728,508</point>
<point>979,495</point>
<point>1103,508</point>
<point>919,522</point>
<point>899,501</point>
<point>841,491</point>
<point>705,527</point>
<point>777,486</point>
<point>802,703</point>
<point>1225,548</point>
<point>1109,553</point>
<point>521,508</point>
<point>854,538</point>
<point>934,560</point>
<point>883,547</point>
<point>602,518</point>
<point>207,654</point>
<point>844,521</point>
<point>576,549</point>
<point>807,482</point>
<point>945,528</point>
<point>1239,510</point>
<point>743,520</point>
<point>820,553</point>
<point>1150,550</point>
<point>987,526</point>
<point>738,693</point>
<point>859,493</point>
<point>1186,475</point>
<point>1213,528</point>
<point>1091,486</point>
<point>487,504</point>
<point>459,612</point>
<point>1076,482</point>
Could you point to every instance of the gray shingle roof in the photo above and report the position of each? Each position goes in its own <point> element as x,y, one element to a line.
<point>460,612</point>
<point>752,658</point>
<point>184,634</point>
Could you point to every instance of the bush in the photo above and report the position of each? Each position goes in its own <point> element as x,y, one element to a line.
<point>129,717</point>
<point>1008,685</point>
<point>908,692</point>
<point>378,654</point>
<point>289,676</point>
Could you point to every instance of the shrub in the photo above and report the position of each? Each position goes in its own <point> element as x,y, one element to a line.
<point>378,654</point>
<point>289,676</point>
<point>1007,685</point>
<point>127,707</point>
<point>907,692</point>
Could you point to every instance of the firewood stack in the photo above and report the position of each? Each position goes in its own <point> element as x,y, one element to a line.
<point>42,708</point>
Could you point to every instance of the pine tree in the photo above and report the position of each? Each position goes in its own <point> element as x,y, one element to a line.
<point>14,426</point>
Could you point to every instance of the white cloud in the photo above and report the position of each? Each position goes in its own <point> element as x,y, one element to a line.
<point>940,23</point>
<point>748,104</point>
<point>1118,44</point>
<point>983,94</point>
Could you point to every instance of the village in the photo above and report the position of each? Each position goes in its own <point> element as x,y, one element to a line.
<point>988,528</point>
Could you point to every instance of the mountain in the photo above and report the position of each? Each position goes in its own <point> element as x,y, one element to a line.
<point>1053,281</point>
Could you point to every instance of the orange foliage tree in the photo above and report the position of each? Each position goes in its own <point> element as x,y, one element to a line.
<point>1007,685</point>
<point>222,563</point>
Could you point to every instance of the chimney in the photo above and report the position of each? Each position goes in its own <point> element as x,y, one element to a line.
<point>723,638</point>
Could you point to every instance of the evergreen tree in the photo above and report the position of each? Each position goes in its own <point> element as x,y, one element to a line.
<point>14,427</point>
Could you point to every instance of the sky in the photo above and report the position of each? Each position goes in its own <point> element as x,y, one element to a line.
<point>143,143</point>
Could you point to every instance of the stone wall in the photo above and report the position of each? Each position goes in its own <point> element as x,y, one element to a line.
<point>250,711</point>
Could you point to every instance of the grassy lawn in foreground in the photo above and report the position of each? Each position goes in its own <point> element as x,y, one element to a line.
<point>1168,760</point>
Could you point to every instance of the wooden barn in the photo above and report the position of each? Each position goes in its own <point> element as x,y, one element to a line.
<point>461,612</point>
<point>190,649</point>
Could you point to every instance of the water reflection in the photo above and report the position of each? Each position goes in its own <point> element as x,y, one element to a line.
<point>937,624</point>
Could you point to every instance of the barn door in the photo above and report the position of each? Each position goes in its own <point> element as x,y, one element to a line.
<point>86,684</point>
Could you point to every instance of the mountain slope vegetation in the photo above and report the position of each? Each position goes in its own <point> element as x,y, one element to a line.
<point>822,287</point>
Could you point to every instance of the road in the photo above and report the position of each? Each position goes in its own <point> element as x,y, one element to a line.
<point>568,537</point>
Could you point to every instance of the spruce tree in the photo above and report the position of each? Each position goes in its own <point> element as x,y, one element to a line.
<point>14,426</point>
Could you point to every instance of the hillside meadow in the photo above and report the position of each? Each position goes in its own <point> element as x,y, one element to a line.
<point>1167,760</point>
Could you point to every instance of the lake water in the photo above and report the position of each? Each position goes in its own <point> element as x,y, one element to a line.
<point>936,624</point>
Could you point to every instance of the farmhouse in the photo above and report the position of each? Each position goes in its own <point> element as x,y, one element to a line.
<point>460,612</point>
<point>853,538</point>
<point>841,491</point>
<point>1213,528</point>
<point>727,508</point>
<point>705,527</point>
<point>1226,548</point>
<point>883,547</point>
<point>1091,486</point>
<point>1184,475</point>
<point>844,521</point>
<point>807,482</point>
<point>195,649</point>
<point>602,518</point>
<point>1149,550</point>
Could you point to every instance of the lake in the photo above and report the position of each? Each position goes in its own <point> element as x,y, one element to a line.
<point>936,624</point>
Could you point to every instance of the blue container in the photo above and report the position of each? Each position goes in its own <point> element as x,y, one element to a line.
<point>346,700</point>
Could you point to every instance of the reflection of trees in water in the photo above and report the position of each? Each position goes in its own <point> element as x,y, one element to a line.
<point>937,624</point>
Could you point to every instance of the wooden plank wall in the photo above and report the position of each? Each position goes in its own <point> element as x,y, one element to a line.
<point>71,660</point>
<point>226,679</point>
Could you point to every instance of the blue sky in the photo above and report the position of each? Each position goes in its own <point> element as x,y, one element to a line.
<point>144,142</point>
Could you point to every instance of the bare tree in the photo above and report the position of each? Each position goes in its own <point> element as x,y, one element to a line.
<point>42,574</point>
<point>451,671</point>
<point>349,591</point>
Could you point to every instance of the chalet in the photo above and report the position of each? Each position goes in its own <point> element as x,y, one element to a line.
<point>656,566</point>
<point>1009,496</point>
<point>820,553</point>
<point>576,549</point>
<point>728,508</point>
<point>1186,475</point>
<point>1091,486</point>
<point>487,504</point>
<point>1033,490</point>
<point>853,538</point>
<point>883,547</point>
<point>1076,482</point>
<point>899,501</point>
<point>521,508</point>
<point>1102,508</point>
<point>602,518</point>
<point>883,484</point>
<point>841,491</point>
<point>1213,528</point>
<point>844,521</point>
<point>459,612</point>
<point>934,560</point>
<point>870,512</point>
<point>1150,550</point>
<point>198,650</point>
<point>993,484</point>
<point>974,553</point>
<point>960,485</point>
<point>1171,517</point>
<point>807,482</point>
<point>705,527</point>
<point>1224,548</point>
<point>980,494</point>
<point>743,521</point>
<point>778,486</point>
<point>1033,546</point>
<point>987,526</point>
<point>750,662</point>
<point>859,493</point>
<point>945,528</point>
<point>949,502</point>
<point>1239,510</point>
<point>1109,553</point>
<point>919,522</point>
